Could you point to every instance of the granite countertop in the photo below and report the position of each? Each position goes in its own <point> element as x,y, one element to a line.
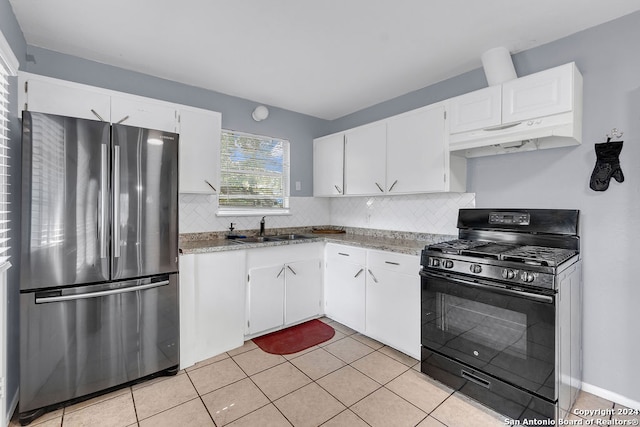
<point>392,241</point>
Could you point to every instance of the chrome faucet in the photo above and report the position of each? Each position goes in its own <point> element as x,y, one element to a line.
<point>262,227</point>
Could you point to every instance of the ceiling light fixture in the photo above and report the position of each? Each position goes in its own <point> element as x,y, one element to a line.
<point>260,113</point>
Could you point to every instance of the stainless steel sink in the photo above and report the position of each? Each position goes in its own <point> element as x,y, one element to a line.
<point>276,238</point>
<point>253,239</point>
<point>289,237</point>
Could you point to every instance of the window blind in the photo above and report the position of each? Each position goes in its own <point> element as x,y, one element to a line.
<point>4,163</point>
<point>254,172</point>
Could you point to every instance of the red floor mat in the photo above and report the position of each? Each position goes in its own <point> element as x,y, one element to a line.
<point>296,338</point>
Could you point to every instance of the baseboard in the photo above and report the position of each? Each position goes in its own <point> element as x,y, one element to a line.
<point>609,395</point>
<point>12,407</point>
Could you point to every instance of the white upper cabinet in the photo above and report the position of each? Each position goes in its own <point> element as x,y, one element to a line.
<point>199,130</point>
<point>365,159</point>
<point>328,165</point>
<point>416,151</point>
<point>144,113</point>
<point>476,110</point>
<point>64,99</point>
<point>537,95</point>
<point>403,154</point>
<point>541,110</point>
<point>199,151</point>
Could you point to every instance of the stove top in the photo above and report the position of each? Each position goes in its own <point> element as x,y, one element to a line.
<point>525,254</point>
<point>514,263</point>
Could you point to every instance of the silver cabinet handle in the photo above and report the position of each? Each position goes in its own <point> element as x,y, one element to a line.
<point>122,120</point>
<point>358,273</point>
<point>372,276</point>
<point>212,187</point>
<point>280,273</point>
<point>292,270</point>
<point>116,201</point>
<point>379,188</point>
<point>104,200</point>
<point>97,115</point>
<point>393,185</point>
<point>44,300</point>
<point>501,127</point>
<point>339,189</point>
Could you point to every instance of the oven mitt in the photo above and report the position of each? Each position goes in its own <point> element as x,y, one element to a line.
<point>607,165</point>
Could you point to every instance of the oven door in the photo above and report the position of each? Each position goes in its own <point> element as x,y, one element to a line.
<point>504,333</point>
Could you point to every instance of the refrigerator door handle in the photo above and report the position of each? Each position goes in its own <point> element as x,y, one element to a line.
<point>116,201</point>
<point>44,300</point>
<point>103,221</point>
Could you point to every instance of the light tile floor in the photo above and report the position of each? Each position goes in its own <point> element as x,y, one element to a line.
<point>350,380</point>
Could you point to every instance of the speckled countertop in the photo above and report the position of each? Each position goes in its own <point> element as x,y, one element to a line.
<point>385,240</point>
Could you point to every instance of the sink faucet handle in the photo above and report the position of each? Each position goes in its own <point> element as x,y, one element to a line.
<point>262,226</point>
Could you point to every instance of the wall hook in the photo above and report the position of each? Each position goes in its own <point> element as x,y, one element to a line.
<point>615,133</point>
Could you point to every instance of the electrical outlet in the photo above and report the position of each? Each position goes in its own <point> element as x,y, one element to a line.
<point>298,186</point>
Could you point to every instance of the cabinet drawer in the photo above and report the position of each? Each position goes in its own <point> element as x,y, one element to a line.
<point>346,253</point>
<point>400,263</point>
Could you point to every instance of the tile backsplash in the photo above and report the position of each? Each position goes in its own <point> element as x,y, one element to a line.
<point>420,213</point>
<point>424,213</point>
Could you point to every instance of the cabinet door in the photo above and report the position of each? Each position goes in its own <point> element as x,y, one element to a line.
<point>67,100</point>
<point>365,160</point>
<point>219,302</point>
<point>188,324</point>
<point>303,290</point>
<point>266,298</point>
<point>199,151</point>
<point>541,94</point>
<point>344,293</point>
<point>416,151</point>
<point>145,114</point>
<point>476,110</point>
<point>328,166</point>
<point>393,301</point>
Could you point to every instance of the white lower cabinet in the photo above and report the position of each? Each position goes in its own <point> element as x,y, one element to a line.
<point>344,289</point>
<point>266,298</point>
<point>303,290</point>
<point>376,293</point>
<point>393,301</point>
<point>212,301</point>
<point>284,286</point>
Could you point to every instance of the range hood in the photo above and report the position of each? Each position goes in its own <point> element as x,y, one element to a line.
<point>538,111</point>
<point>554,131</point>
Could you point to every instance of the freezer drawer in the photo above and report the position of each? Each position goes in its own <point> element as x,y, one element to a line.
<point>81,340</point>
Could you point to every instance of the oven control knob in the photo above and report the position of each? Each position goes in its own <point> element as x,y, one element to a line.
<point>475,268</point>
<point>527,277</point>
<point>508,273</point>
<point>447,264</point>
<point>434,262</point>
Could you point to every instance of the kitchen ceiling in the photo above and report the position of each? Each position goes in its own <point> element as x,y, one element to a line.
<point>324,58</point>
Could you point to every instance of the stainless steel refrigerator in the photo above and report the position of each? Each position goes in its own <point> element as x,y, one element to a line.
<point>99,258</point>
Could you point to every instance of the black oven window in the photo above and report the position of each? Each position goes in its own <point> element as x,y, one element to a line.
<point>500,329</point>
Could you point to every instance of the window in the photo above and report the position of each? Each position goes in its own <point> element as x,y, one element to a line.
<point>254,173</point>
<point>8,65</point>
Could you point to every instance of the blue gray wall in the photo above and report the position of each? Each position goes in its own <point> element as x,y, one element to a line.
<point>608,58</point>
<point>12,33</point>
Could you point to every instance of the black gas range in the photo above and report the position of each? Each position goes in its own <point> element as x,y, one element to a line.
<point>501,308</point>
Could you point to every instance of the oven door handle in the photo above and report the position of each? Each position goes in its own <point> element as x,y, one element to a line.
<point>499,289</point>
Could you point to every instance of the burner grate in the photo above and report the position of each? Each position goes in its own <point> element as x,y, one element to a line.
<point>538,255</point>
<point>456,246</point>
